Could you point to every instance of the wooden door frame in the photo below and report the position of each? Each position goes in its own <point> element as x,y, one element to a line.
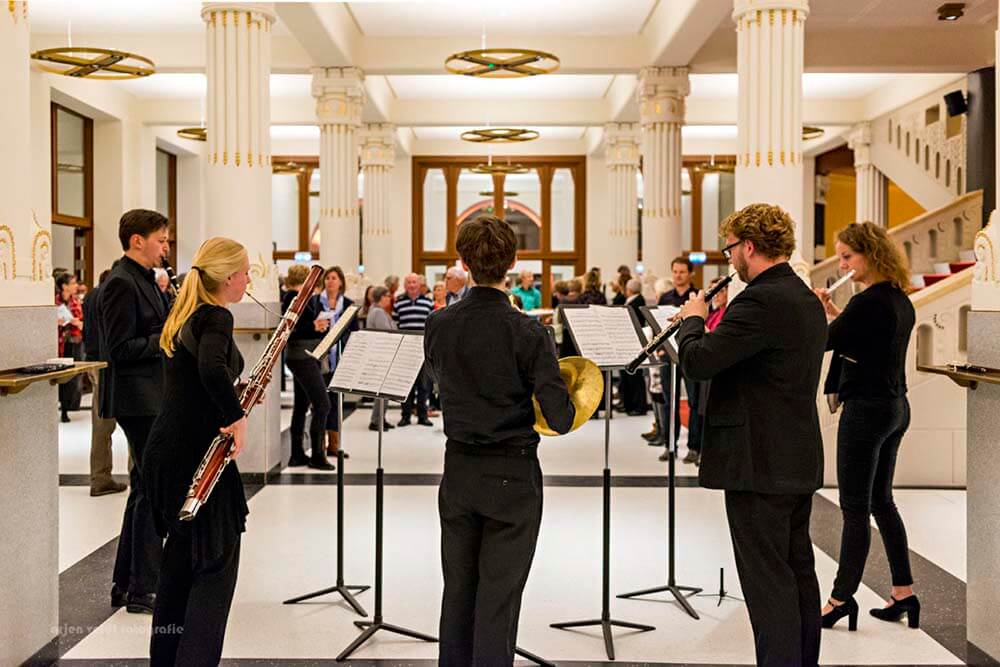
<point>86,222</point>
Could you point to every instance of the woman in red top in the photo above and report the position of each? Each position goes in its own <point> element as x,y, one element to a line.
<point>719,302</point>
<point>70,338</point>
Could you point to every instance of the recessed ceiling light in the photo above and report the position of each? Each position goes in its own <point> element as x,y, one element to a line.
<point>951,11</point>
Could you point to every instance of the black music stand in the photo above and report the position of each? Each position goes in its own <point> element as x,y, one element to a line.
<point>344,590</point>
<point>605,621</point>
<point>680,593</point>
<point>378,623</point>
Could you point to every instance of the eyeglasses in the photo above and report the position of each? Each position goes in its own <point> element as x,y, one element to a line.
<point>728,250</point>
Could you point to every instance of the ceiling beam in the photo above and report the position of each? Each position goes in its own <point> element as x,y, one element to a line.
<point>677,29</point>
<point>325,30</point>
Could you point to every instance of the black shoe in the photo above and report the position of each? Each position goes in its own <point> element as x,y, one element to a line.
<point>692,457</point>
<point>107,488</point>
<point>425,422</point>
<point>849,609</point>
<point>908,605</point>
<point>64,418</point>
<point>141,604</point>
<point>118,597</point>
<point>651,435</point>
<point>386,426</point>
<point>405,421</point>
<point>320,463</point>
<point>658,442</point>
<point>665,456</point>
<point>298,460</point>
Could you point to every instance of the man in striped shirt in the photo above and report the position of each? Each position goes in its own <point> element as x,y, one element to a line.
<point>410,313</point>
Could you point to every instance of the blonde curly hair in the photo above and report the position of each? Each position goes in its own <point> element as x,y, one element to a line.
<point>882,254</point>
<point>769,227</point>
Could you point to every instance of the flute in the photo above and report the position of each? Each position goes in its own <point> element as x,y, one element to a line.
<point>840,281</point>
<point>666,333</point>
<point>175,286</point>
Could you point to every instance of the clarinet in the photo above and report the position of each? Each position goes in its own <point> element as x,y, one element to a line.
<point>220,452</point>
<point>662,337</point>
<point>175,286</point>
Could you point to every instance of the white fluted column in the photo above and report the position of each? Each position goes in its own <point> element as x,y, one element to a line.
<point>238,175</point>
<point>378,156</point>
<point>621,157</point>
<point>339,97</point>
<point>661,95</point>
<point>871,185</point>
<point>770,38</point>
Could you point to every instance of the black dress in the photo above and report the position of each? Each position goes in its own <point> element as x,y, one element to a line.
<point>199,399</point>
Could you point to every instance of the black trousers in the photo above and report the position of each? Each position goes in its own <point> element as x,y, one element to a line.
<point>632,390</point>
<point>491,508</point>
<point>140,549</point>
<point>192,605</point>
<point>310,390</point>
<point>774,558</point>
<point>867,443</point>
<point>418,394</point>
<point>693,390</point>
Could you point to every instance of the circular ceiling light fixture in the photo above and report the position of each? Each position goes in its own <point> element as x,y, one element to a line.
<point>93,63</point>
<point>501,63</point>
<point>193,133</point>
<point>287,168</point>
<point>490,193</point>
<point>716,167</point>
<point>500,135</point>
<point>486,168</point>
<point>810,132</point>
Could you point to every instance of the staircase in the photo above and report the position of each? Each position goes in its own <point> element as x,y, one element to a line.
<point>939,247</point>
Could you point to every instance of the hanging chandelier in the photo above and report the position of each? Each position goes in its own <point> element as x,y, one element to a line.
<point>500,135</point>
<point>490,168</point>
<point>93,63</point>
<point>193,133</point>
<point>490,193</point>
<point>810,132</point>
<point>290,167</point>
<point>501,63</point>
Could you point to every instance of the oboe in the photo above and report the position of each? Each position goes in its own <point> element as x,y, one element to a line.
<point>666,333</point>
<point>220,452</point>
<point>175,286</point>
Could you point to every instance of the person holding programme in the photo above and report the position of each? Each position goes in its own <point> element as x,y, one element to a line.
<point>132,311</point>
<point>868,375</point>
<point>333,302</point>
<point>489,359</point>
<point>762,441</point>
<point>201,400</point>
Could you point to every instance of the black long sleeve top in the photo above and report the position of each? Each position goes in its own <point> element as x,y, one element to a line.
<point>489,360</point>
<point>869,340</point>
<point>305,329</point>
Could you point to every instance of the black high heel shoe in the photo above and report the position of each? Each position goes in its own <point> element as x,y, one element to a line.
<point>849,608</point>
<point>908,605</point>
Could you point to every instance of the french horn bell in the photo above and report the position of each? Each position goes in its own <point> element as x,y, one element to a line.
<point>585,384</point>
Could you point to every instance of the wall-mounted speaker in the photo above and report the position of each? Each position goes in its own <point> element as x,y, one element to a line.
<point>956,103</point>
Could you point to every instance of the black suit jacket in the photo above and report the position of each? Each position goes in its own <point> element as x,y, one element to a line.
<point>635,304</point>
<point>91,326</point>
<point>761,429</point>
<point>132,312</point>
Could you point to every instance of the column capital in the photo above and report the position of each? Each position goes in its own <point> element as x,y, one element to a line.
<point>339,93</point>
<point>661,94</point>
<point>741,8</point>
<point>378,145</point>
<point>859,140</point>
<point>622,144</point>
<point>257,10</point>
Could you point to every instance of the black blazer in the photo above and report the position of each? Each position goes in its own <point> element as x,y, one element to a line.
<point>761,430</point>
<point>132,312</point>
<point>91,326</point>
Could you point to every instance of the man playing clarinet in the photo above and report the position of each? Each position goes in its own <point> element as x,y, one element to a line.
<point>761,441</point>
<point>489,359</point>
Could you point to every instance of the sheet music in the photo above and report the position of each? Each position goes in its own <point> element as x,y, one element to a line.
<point>663,315</point>
<point>335,332</point>
<point>605,335</point>
<point>380,362</point>
<point>405,367</point>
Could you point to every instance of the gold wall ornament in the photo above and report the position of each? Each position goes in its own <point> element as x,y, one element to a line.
<point>41,251</point>
<point>501,63</point>
<point>105,65</point>
<point>8,254</point>
<point>500,135</point>
<point>500,169</point>
<point>193,133</point>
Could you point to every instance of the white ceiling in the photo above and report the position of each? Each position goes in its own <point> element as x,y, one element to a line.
<point>449,133</point>
<point>893,13</point>
<point>520,17</point>
<point>185,86</point>
<point>454,86</point>
<point>815,85</point>
<point>120,17</point>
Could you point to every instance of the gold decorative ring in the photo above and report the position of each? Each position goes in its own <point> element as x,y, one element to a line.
<point>499,169</point>
<point>501,63</point>
<point>107,65</point>
<point>193,133</point>
<point>500,135</point>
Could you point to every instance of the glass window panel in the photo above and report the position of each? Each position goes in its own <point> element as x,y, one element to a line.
<point>562,272</point>
<point>533,265</point>
<point>563,211</point>
<point>314,185</point>
<point>163,183</point>
<point>69,164</point>
<point>285,211</point>
<point>709,212</point>
<point>434,273</point>
<point>435,210</point>
<point>523,208</point>
<point>470,202</point>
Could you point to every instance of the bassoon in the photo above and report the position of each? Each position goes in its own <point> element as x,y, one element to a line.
<point>220,452</point>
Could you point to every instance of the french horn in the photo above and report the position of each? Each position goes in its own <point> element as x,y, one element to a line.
<point>585,384</point>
